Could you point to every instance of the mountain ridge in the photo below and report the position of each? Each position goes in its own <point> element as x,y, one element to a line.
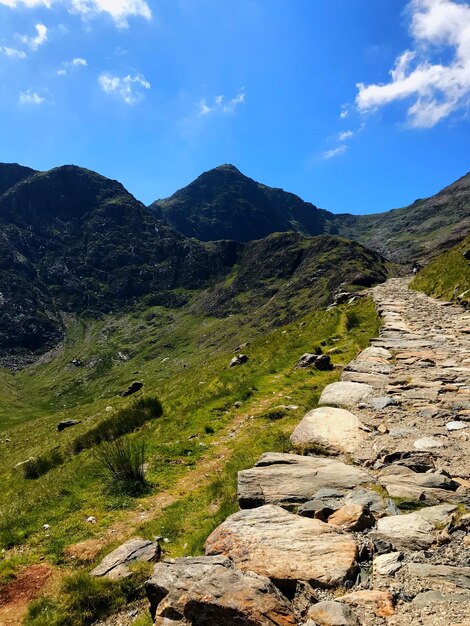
<point>208,209</point>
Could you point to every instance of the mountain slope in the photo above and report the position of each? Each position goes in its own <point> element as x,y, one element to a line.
<point>223,203</point>
<point>12,173</point>
<point>448,275</point>
<point>419,231</point>
<point>74,241</point>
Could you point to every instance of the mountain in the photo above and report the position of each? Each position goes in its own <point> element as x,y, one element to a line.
<point>224,203</point>
<point>76,242</point>
<point>12,173</point>
<point>420,231</point>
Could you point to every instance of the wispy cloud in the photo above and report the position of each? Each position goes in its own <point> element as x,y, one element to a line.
<point>345,135</point>
<point>30,97</point>
<point>119,10</point>
<point>33,43</point>
<point>435,88</point>
<point>334,152</point>
<point>76,62</point>
<point>13,52</point>
<point>344,112</point>
<point>221,105</point>
<point>127,88</point>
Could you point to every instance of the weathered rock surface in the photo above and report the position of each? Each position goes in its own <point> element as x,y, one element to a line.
<point>239,359</point>
<point>285,547</point>
<point>441,575</point>
<point>330,613</point>
<point>335,430</point>
<point>116,564</point>
<point>318,361</point>
<point>387,564</point>
<point>380,602</point>
<point>290,479</point>
<point>344,394</point>
<point>206,591</point>
<point>414,531</point>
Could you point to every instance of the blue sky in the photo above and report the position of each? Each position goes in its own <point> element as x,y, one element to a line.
<point>355,105</point>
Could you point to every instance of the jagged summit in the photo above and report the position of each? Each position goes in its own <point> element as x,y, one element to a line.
<point>223,203</point>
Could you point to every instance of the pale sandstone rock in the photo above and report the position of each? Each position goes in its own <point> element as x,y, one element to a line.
<point>335,430</point>
<point>291,479</point>
<point>380,602</point>
<point>345,394</point>
<point>285,547</point>
<point>331,613</point>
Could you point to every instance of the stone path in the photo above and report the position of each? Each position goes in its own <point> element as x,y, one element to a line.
<point>369,522</point>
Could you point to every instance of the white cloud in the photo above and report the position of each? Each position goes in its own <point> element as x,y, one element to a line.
<point>13,52</point>
<point>30,97</point>
<point>345,135</point>
<point>118,10</point>
<point>436,88</point>
<point>78,61</point>
<point>221,105</point>
<point>128,88</point>
<point>39,39</point>
<point>344,113</point>
<point>26,3</point>
<point>331,154</point>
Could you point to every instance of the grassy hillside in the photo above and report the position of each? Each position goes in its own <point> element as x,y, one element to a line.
<point>193,450</point>
<point>448,276</point>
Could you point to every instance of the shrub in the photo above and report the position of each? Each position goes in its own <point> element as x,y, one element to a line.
<point>36,467</point>
<point>125,421</point>
<point>352,320</point>
<point>123,464</point>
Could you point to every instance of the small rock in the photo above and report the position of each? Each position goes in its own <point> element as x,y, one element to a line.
<point>352,517</point>
<point>239,359</point>
<point>427,443</point>
<point>133,388</point>
<point>387,564</point>
<point>457,425</point>
<point>382,402</point>
<point>382,429</point>
<point>66,424</point>
<point>116,564</point>
<point>91,519</point>
<point>329,613</point>
<point>380,602</point>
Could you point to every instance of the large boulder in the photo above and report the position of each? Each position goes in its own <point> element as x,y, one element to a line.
<point>335,430</point>
<point>402,482</point>
<point>291,479</point>
<point>345,394</point>
<point>116,564</point>
<point>211,590</point>
<point>285,547</point>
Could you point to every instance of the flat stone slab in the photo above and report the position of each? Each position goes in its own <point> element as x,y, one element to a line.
<point>345,394</point>
<point>212,591</point>
<point>441,575</point>
<point>374,380</point>
<point>291,479</point>
<point>414,531</point>
<point>335,430</point>
<point>330,613</point>
<point>116,564</point>
<point>403,482</point>
<point>285,547</point>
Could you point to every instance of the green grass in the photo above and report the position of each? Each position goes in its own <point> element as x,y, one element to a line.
<point>448,276</point>
<point>183,359</point>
